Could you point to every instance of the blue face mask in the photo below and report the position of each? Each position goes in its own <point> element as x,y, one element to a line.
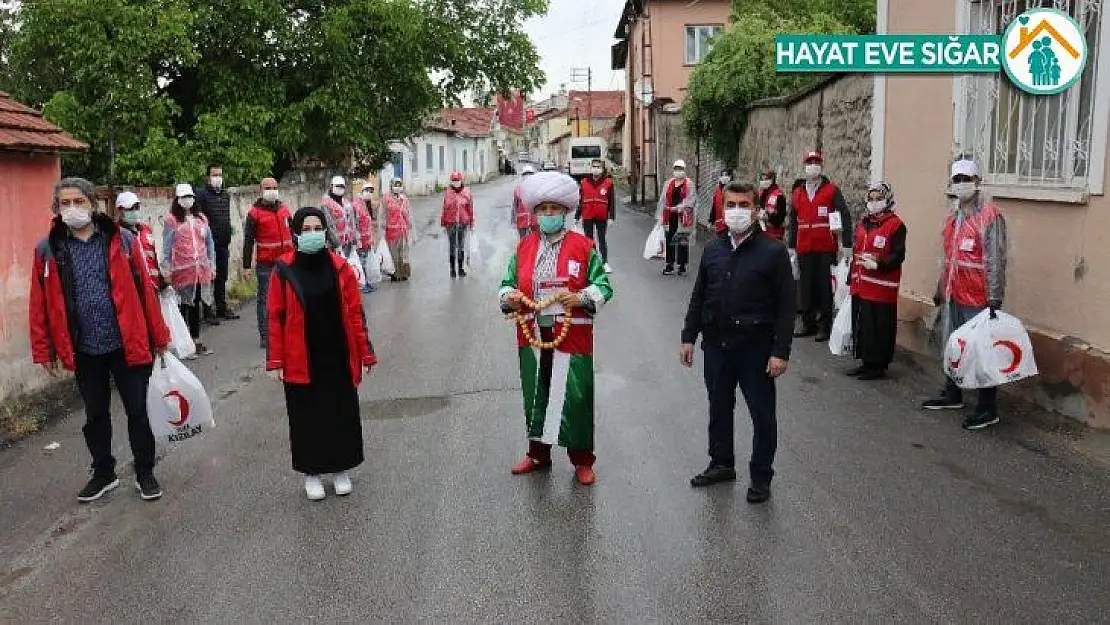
<point>130,217</point>
<point>311,242</point>
<point>550,224</point>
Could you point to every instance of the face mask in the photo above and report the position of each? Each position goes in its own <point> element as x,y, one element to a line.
<point>129,217</point>
<point>550,224</point>
<point>764,184</point>
<point>311,242</point>
<point>963,190</point>
<point>76,218</point>
<point>367,195</point>
<point>396,190</point>
<point>456,184</point>
<point>270,195</point>
<point>876,207</point>
<point>595,171</point>
<point>738,220</point>
<point>725,180</point>
<point>186,202</point>
<point>813,171</point>
<point>338,191</point>
<point>679,174</point>
<point>217,182</point>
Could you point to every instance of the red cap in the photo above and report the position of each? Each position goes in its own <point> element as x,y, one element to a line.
<point>812,155</point>
<point>456,176</point>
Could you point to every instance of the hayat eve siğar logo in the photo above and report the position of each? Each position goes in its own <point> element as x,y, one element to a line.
<point>1044,51</point>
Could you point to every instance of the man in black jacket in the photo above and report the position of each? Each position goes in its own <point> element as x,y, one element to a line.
<point>743,308</point>
<point>215,203</point>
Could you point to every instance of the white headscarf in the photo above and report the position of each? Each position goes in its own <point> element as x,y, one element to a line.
<point>549,186</point>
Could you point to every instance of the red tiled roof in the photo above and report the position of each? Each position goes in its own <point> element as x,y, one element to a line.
<point>605,104</point>
<point>23,128</point>
<point>475,122</point>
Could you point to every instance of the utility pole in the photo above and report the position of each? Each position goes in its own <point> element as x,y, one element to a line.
<point>587,74</point>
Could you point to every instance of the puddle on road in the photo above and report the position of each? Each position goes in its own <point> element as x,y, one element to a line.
<point>402,408</point>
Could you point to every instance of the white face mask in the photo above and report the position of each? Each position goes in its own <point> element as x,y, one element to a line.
<point>217,182</point>
<point>963,190</point>
<point>339,191</point>
<point>813,171</point>
<point>679,174</point>
<point>186,202</point>
<point>396,190</point>
<point>875,207</point>
<point>76,218</point>
<point>270,195</point>
<point>367,195</point>
<point>725,180</point>
<point>738,220</point>
<point>764,184</point>
<point>456,184</point>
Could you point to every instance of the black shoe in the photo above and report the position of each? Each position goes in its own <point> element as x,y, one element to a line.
<point>668,270</point>
<point>758,494</point>
<point>714,474</point>
<point>857,371</point>
<point>96,488</point>
<point>872,374</point>
<point>943,403</point>
<point>148,487</point>
<point>227,314</point>
<point>462,272</point>
<point>212,321</point>
<point>980,420</point>
<point>821,337</point>
<point>682,270</point>
<point>805,333</point>
<point>453,273</point>
<point>264,343</point>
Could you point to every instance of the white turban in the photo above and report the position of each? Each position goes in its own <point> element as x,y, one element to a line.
<point>549,186</point>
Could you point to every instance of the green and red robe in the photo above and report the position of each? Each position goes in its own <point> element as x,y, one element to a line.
<point>565,415</point>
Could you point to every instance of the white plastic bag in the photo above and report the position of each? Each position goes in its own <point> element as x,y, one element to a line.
<point>387,258</point>
<point>181,342</point>
<point>177,405</point>
<point>655,247</point>
<point>473,252</point>
<point>985,352</point>
<point>356,263</point>
<point>794,265</point>
<point>840,283</point>
<point>840,339</point>
<point>372,266</point>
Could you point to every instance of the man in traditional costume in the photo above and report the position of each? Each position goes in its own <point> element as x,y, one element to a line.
<point>554,286</point>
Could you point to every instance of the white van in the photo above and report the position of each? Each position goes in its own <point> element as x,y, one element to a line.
<point>581,151</point>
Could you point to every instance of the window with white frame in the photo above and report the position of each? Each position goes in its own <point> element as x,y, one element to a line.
<point>1035,141</point>
<point>441,162</point>
<point>698,41</point>
<point>428,156</point>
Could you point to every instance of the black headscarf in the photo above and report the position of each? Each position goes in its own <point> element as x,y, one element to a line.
<point>315,272</point>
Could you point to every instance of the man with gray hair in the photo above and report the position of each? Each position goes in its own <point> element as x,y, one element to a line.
<point>94,308</point>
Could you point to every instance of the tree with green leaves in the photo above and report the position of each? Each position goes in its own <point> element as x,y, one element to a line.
<point>740,68</point>
<point>160,88</point>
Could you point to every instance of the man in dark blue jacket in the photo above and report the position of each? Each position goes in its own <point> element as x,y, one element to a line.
<point>743,308</point>
<point>215,202</point>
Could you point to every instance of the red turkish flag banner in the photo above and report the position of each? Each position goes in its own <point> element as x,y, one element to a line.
<point>511,112</point>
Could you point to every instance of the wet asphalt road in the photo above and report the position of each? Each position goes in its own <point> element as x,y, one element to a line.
<point>880,513</point>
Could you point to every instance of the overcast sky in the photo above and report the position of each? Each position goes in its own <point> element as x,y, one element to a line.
<point>577,34</point>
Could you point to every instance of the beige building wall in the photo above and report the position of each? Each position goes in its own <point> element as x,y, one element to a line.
<point>1058,277</point>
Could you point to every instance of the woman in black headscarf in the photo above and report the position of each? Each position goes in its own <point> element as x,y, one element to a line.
<point>319,347</point>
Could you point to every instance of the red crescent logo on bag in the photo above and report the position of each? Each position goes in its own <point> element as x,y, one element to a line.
<point>956,363</point>
<point>1016,359</point>
<point>182,408</point>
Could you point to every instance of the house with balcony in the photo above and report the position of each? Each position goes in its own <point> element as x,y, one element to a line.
<point>659,42</point>
<point>1043,161</point>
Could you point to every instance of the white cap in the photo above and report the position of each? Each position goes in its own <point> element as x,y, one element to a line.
<point>965,167</point>
<point>126,199</point>
<point>184,189</point>
<point>528,169</point>
<point>680,164</point>
<point>339,181</point>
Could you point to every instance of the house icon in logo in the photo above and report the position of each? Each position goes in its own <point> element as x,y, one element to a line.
<point>1045,51</point>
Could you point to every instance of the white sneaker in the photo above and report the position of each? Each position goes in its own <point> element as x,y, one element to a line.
<point>314,488</point>
<point>342,483</point>
<point>608,269</point>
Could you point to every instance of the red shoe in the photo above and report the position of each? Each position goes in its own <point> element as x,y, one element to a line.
<point>529,465</point>
<point>585,475</point>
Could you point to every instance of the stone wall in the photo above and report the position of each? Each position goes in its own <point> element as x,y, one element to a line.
<point>833,116</point>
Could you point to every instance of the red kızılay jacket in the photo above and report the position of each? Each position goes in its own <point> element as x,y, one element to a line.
<point>287,349</point>
<point>52,317</point>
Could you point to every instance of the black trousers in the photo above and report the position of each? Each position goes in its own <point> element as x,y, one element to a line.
<point>94,374</point>
<point>456,237</point>
<point>192,313</point>
<point>744,366</point>
<point>815,289</point>
<point>602,226</point>
<point>219,285</point>
<point>678,244</point>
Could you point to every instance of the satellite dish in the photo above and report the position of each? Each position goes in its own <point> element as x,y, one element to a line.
<point>643,92</point>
